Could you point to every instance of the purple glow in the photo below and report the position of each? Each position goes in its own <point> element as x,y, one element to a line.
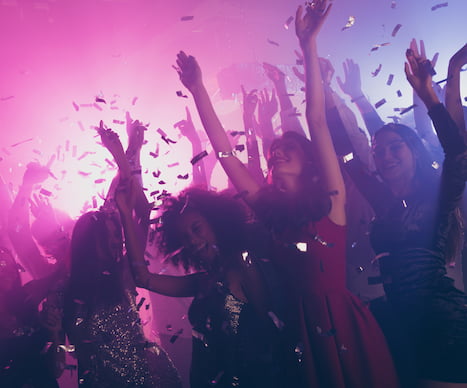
<point>59,56</point>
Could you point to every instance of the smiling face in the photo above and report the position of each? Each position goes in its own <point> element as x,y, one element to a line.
<point>394,159</point>
<point>286,163</point>
<point>197,236</point>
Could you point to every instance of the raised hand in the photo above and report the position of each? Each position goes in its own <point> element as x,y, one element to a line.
<point>189,71</point>
<point>250,101</point>
<point>419,72</point>
<point>35,173</point>
<point>327,70</point>
<point>267,105</point>
<point>308,26</point>
<point>273,72</point>
<point>135,130</point>
<point>41,208</point>
<point>187,128</point>
<point>111,141</point>
<point>352,85</point>
<point>459,59</point>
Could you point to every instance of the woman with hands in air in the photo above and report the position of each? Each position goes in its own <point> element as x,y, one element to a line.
<point>303,206</point>
<point>101,315</point>
<point>237,339</point>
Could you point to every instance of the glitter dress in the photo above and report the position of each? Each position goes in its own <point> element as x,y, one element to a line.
<point>113,352</point>
<point>232,346</point>
<point>341,343</point>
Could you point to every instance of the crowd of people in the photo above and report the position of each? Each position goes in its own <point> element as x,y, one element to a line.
<point>269,263</point>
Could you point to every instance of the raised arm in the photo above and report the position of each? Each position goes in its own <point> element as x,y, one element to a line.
<point>187,129</point>
<point>289,120</point>
<point>417,70</point>
<point>178,286</point>
<point>307,29</point>
<point>352,86</point>
<point>250,101</point>
<point>190,75</point>
<point>267,108</point>
<point>19,227</point>
<point>453,95</point>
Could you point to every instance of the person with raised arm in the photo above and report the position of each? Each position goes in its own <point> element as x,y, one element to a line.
<point>202,170</point>
<point>289,118</point>
<point>304,208</point>
<point>101,316</point>
<point>417,232</point>
<point>252,126</point>
<point>237,335</point>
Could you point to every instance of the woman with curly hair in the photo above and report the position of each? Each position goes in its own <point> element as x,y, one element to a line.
<point>236,337</point>
<point>341,344</point>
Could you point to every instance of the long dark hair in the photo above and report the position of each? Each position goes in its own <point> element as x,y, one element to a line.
<point>96,275</point>
<point>226,216</point>
<point>281,211</point>
<point>425,178</point>
<point>425,174</point>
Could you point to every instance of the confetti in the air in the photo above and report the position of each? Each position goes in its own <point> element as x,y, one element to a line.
<point>377,46</point>
<point>198,157</point>
<point>180,94</point>
<point>288,21</point>
<point>186,18</point>
<point>390,79</point>
<point>408,109</point>
<point>377,70</point>
<point>396,30</point>
<point>440,5</point>
<point>380,103</point>
<point>272,42</point>
<point>350,23</point>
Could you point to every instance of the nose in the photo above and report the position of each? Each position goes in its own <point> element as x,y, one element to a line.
<point>278,152</point>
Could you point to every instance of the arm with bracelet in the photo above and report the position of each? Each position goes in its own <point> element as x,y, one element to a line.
<point>238,173</point>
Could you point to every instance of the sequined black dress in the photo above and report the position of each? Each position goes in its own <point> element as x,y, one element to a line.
<point>232,347</point>
<point>410,235</point>
<point>113,352</point>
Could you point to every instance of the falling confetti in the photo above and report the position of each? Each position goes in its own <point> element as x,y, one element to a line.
<point>440,5</point>
<point>408,109</point>
<point>390,79</point>
<point>376,72</point>
<point>396,30</point>
<point>180,94</point>
<point>272,42</point>
<point>288,21</point>
<point>377,46</point>
<point>22,142</point>
<point>175,336</point>
<point>350,23</point>
<point>186,18</point>
<point>380,103</point>
<point>198,157</point>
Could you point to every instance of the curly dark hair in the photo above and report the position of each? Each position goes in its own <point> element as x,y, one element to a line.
<point>280,210</point>
<point>227,217</point>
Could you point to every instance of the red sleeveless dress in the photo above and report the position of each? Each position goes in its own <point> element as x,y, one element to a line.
<point>341,342</point>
